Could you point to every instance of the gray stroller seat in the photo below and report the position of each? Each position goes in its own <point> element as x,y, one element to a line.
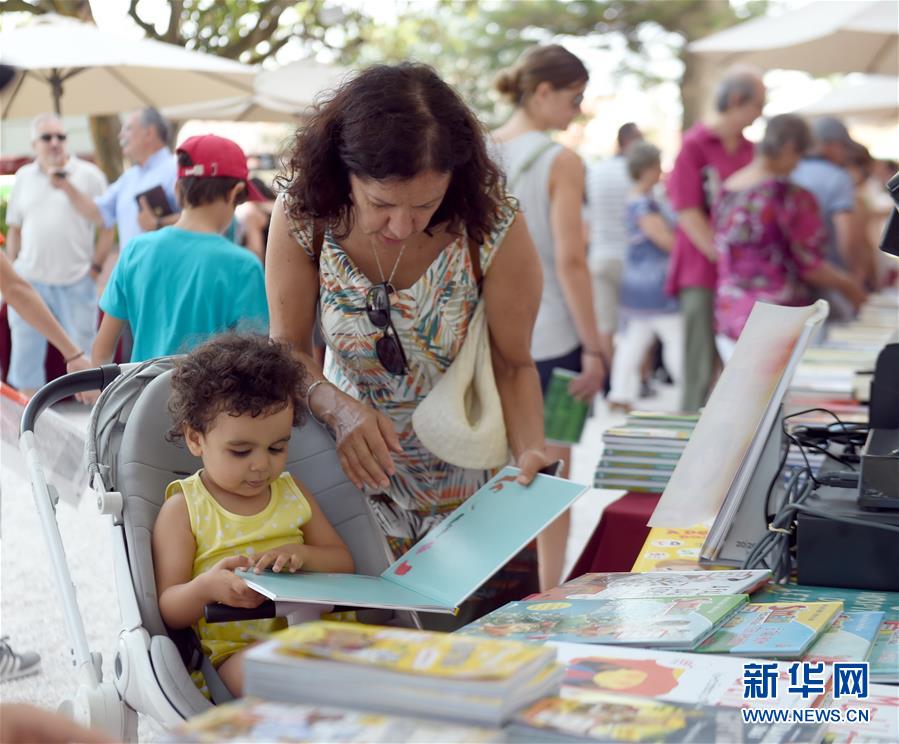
<point>146,462</point>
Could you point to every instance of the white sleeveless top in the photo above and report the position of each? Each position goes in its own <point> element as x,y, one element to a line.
<point>554,330</point>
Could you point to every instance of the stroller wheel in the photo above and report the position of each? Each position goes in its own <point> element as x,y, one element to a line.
<point>102,707</point>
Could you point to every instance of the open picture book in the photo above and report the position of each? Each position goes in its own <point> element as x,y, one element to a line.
<point>445,567</point>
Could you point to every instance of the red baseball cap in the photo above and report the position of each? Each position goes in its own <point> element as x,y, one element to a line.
<point>217,157</point>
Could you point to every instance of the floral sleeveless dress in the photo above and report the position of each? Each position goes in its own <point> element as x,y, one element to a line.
<point>431,318</point>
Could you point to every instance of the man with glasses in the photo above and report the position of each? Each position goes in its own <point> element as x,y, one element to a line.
<point>144,140</point>
<point>54,248</point>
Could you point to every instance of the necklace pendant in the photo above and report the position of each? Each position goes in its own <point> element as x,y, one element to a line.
<point>390,288</point>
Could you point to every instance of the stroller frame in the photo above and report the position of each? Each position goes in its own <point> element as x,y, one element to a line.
<point>150,675</point>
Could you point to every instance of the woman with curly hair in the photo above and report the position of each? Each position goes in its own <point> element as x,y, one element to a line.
<point>391,211</point>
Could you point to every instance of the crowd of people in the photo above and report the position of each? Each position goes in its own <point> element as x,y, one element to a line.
<point>384,240</point>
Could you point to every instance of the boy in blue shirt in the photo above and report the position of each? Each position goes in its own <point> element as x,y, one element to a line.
<point>182,284</point>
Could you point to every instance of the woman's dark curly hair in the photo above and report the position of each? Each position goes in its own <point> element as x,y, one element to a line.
<point>392,122</point>
<point>237,374</point>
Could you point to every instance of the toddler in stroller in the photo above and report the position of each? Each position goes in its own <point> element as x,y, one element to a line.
<point>130,461</point>
<point>235,400</point>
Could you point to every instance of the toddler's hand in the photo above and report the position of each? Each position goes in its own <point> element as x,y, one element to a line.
<point>229,588</point>
<point>290,557</point>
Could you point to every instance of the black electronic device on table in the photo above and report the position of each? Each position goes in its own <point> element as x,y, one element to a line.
<point>889,241</point>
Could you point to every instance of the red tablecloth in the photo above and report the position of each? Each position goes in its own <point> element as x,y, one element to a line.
<point>617,539</point>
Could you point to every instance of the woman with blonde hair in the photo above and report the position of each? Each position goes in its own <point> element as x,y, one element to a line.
<point>547,87</point>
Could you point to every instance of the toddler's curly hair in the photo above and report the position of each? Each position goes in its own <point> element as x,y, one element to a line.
<point>237,374</point>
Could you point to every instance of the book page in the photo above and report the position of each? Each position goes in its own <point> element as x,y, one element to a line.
<point>733,416</point>
<point>477,539</point>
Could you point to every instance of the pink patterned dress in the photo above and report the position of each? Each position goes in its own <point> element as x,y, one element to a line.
<point>767,238</point>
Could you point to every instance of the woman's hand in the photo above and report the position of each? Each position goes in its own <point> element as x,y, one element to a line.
<point>592,378</point>
<point>531,462</point>
<point>365,437</point>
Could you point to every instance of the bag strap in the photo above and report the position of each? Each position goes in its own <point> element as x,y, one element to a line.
<point>529,163</point>
<point>318,239</point>
<point>474,253</point>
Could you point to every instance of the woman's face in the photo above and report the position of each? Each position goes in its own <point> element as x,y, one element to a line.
<point>556,108</point>
<point>787,159</point>
<point>390,212</point>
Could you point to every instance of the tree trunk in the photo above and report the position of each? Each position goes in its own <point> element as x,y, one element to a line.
<point>105,136</point>
<point>694,90</point>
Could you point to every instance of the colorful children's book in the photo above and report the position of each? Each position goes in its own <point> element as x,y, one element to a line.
<point>618,719</point>
<point>782,630</point>
<point>850,638</point>
<point>252,720</point>
<point>401,671</point>
<point>854,600</point>
<point>671,549</point>
<point>884,656</point>
<point>662,584</point>
<point>564,415</point>
<point>591,672</point>
<point>445,567</point>
<point>673,622</point>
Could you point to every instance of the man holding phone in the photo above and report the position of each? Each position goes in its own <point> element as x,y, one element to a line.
<point>54,247</point>
<point>130,204</point>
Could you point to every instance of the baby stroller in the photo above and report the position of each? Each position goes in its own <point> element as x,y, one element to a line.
<point>130,462</point>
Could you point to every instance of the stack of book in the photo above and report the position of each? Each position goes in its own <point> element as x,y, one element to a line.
<point>401,672</point>
<point>642,454</point>
<point>613,718</point>
<point>660,610</point>
<point>252,720</point>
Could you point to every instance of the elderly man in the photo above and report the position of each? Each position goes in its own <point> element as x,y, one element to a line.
<point>54,248</point>
<point>823,172</point>
<point>143,140</point>
<point>709,154</point>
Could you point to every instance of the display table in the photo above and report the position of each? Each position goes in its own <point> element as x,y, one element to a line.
<point>619,536</point>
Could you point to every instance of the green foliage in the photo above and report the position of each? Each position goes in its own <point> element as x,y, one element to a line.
<point>254,30</point>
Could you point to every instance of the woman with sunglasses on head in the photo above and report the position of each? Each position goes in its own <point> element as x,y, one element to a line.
<point>547,87</point>
<point>390,210</point>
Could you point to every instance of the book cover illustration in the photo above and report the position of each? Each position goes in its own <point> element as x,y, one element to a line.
<point>253,720</point>
<point>671,549</point>
<point>413,652</point>
<point>591,672</point>
<point>432,575</point>
<point>884,656</point>
<point>777,629</point>
<point>854,600</point>
<point>850,638</point>
<point>661,584</point>
<point>678,622</point>
<point>617,719</point>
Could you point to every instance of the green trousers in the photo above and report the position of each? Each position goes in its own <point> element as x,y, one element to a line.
<point>697,307</point>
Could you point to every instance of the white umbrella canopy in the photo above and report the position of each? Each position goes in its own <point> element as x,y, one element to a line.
<point>282,95</point>
<point>875,98</point>
<point>75,68</point>
<point>821,38</point>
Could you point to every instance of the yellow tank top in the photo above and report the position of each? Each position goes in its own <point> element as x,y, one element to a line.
<point>220,534</point>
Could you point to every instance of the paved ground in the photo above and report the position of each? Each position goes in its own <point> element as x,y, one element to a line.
<point>32,617</point>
